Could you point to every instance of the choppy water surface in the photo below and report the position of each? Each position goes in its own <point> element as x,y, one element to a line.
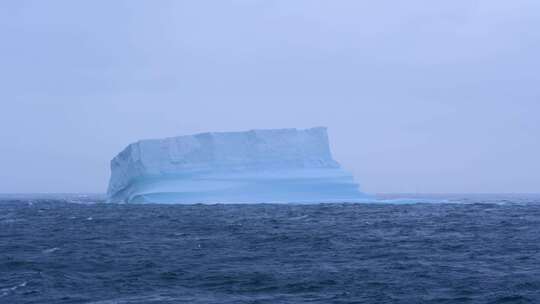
<point>471,249</point>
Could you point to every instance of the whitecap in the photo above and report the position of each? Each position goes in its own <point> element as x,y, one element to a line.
<point>137,299</point>
<point>299,217</point>
<point>51,250</point>
<point>6,291</point>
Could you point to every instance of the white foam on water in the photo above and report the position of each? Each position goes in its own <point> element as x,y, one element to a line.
<point>297,218</point>
<point>6,291</point>
<point>136,299</point>
<point>51,250</point>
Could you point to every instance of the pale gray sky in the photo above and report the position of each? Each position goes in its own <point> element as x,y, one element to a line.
<point>419,96</point>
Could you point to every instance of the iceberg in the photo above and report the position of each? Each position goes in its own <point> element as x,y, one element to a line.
<point>257,166</point>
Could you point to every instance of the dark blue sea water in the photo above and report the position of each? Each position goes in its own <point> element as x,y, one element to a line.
<point>459,249</point>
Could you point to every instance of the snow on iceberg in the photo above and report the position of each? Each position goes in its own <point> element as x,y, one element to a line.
<point>258,166</point>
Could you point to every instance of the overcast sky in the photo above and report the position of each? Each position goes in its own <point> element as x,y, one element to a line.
<point>418,96</point>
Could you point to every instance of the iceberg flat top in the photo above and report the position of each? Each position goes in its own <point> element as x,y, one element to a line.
<point>251,166</point>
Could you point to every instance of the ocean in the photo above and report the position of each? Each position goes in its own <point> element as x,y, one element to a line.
<point>397,249</point>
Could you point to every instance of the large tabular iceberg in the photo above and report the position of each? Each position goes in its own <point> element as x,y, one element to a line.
<point>258,166</point>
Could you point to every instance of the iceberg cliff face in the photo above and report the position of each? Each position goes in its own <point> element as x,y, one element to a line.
<point>285,165</point>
